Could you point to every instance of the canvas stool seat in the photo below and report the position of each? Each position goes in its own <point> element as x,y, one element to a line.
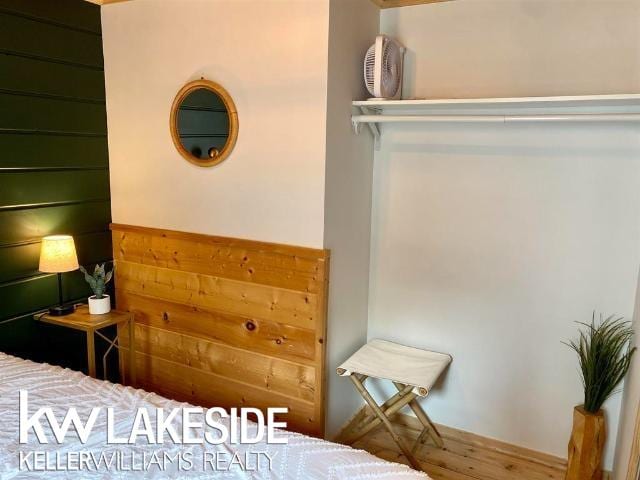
<point>413,371</point>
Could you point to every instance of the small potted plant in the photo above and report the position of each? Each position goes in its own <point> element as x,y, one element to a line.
<point>604,353</point>
<point>99,302</point>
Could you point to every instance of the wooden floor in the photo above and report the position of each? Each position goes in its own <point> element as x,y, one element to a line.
<point>466,456</point>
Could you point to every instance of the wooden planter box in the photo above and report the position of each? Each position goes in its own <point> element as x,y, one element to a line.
<point>586,445</point>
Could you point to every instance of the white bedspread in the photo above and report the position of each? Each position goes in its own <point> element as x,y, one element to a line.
<point>302,458</point>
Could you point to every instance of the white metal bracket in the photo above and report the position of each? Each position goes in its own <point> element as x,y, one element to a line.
<point>356,125</point>
<point>375,131</point>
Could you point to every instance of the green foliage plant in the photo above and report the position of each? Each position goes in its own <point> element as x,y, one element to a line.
<point>604,354</point>
<point>97,280</point>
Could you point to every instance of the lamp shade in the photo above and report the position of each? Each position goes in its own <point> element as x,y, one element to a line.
<point>58,254</point>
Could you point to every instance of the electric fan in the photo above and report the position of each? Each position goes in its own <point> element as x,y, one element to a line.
<point>383,68</point>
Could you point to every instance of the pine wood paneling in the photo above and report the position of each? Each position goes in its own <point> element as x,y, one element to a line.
<point>270,338</point>
<point>227,322</point>
<point>260,371</point>
<point>208,292</point>
<point>228,262</point>
<point>206,389</point>
<point>293,268</point>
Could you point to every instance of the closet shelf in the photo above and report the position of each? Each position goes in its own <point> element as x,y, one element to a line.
<point>584,108</point>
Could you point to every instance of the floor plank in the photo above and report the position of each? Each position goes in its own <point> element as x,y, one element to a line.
<point>436,472</point>
<point>460,459</point>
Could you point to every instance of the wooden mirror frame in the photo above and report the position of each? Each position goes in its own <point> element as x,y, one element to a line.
<point>233,122</point>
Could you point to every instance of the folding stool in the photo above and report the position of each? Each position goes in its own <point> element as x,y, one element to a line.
<point>413,371</point>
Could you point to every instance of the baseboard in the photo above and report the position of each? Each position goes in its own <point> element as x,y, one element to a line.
<point>469,438</point>
<point>487,442</point>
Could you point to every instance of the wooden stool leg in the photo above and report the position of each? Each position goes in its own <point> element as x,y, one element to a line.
<point>424,419</point>
<point>389,408</point>
<point>396,438</point>
<point>421,439</point>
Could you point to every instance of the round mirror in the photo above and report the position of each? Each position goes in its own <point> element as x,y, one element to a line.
<point>204,123</point>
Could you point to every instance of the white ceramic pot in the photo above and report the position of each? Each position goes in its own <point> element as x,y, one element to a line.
<point>99,306</point>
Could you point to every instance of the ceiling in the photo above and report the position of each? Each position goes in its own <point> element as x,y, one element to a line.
<point>105,2</point>
<point>380,3</point>
<point>403,3</point>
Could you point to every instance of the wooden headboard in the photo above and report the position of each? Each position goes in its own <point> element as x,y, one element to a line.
<point>226,322</point>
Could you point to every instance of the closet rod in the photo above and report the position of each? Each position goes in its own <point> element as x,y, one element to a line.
<point>569,117</point>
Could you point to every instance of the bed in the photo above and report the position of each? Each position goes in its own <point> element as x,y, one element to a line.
<point>302,457</point>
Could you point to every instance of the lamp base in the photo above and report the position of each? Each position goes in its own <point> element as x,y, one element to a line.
<point>61,310</point>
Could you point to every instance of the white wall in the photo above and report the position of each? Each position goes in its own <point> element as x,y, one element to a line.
<point>490,242</point>
<point>272,58</point>
<point>498,48</point>
<point>293,87</point>
<point>488,245</point>
<point>485,244</point>
<point>353,26</point>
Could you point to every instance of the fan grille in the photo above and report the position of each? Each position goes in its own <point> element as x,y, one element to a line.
<point>369,68</point>
<point>391,70</point>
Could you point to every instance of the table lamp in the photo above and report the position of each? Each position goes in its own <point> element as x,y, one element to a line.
<point>58,255</point>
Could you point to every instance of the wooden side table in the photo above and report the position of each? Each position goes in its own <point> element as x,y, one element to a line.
<point>82,320</point>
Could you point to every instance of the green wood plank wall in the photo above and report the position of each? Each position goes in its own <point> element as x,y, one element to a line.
<point>54,175</point>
